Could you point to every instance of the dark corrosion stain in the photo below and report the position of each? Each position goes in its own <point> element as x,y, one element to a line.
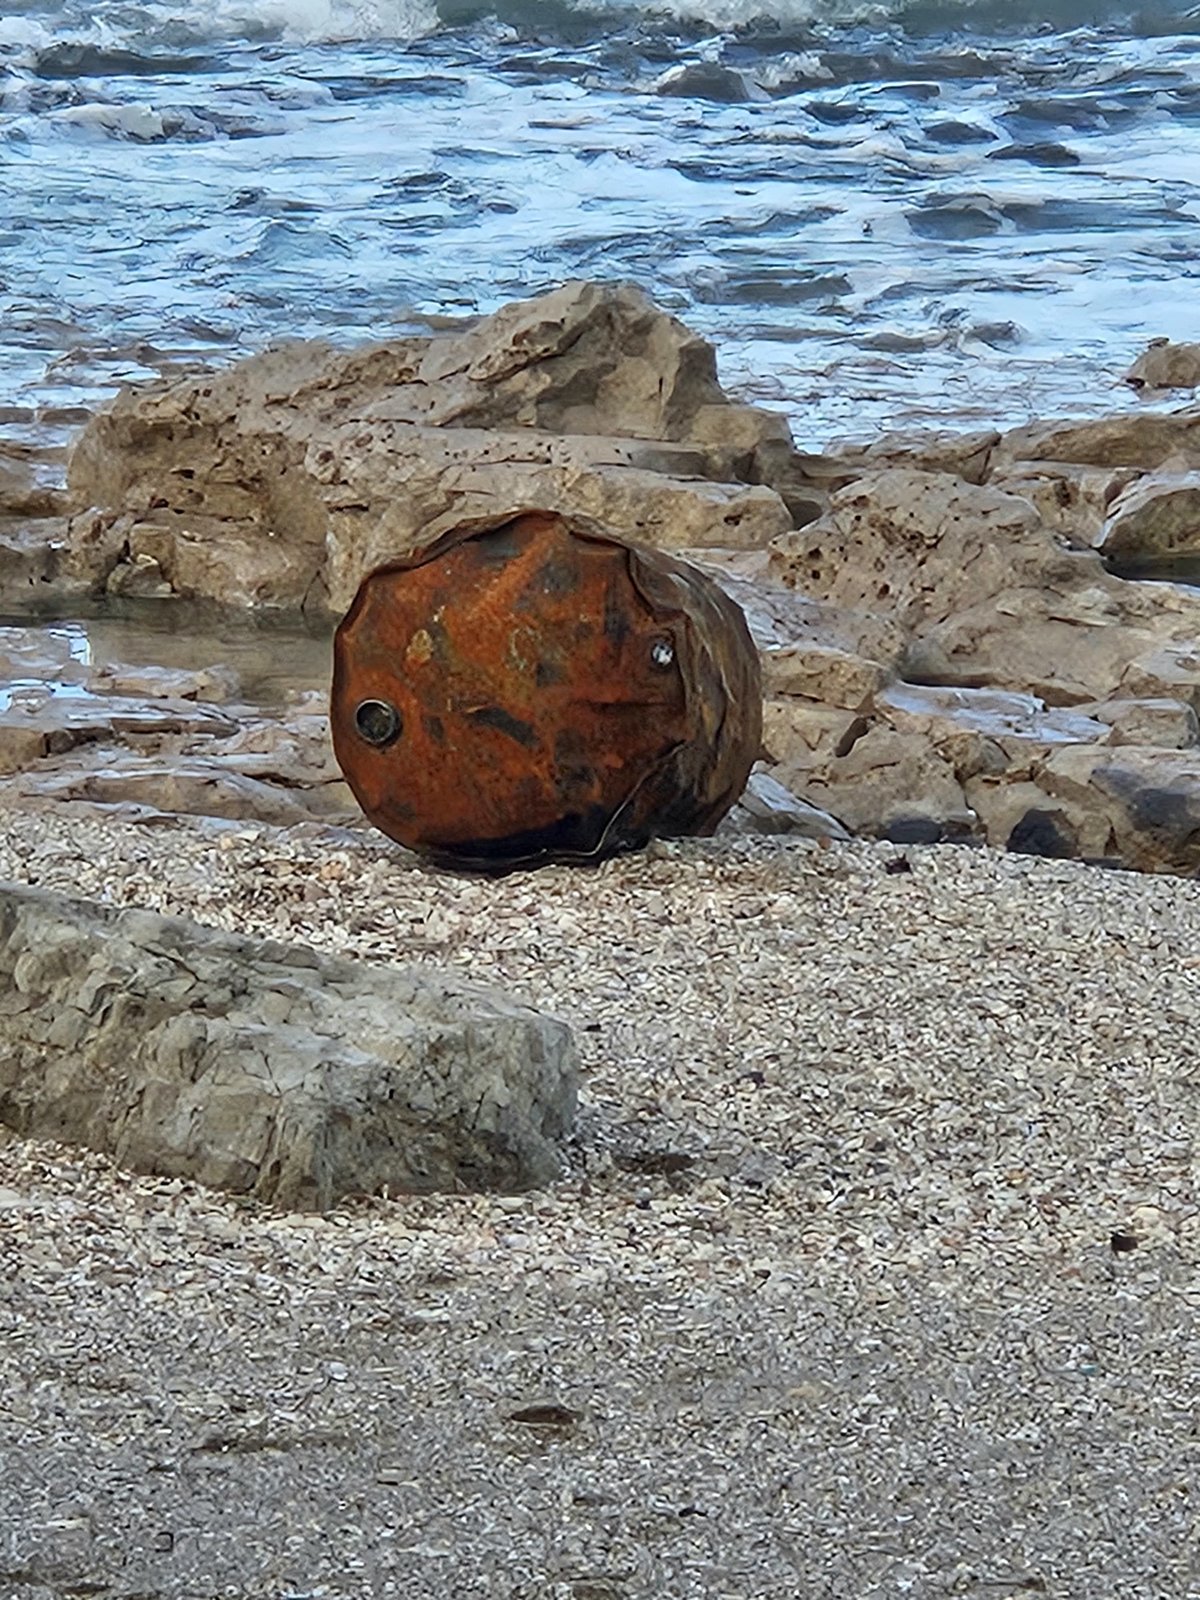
<point>548,673</point>
<point>577,836</point>
<point>616,615</point>
<point>558,576</point>
<point>435,728</point>
<point>499,548</point>
<point>504,722</point>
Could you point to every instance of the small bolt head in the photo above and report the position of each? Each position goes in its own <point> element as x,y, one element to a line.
<point>376,722</point>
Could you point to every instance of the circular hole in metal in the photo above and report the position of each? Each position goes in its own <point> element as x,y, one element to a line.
<point>377,722</point>
<point>662,653</point>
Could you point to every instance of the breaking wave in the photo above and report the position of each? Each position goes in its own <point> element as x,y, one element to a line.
<point>116,25</point>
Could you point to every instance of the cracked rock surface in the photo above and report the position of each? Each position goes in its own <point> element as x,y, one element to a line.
<point>267,1069</point>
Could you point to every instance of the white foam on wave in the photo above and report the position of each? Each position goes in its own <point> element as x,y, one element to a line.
<point>112,22</point>
<point>321,21</point>
<point>109,25</point>
<point>729,16</point>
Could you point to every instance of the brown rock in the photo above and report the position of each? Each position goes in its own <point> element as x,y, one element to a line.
<point>1150,797</point>
<point>889,785</point>
<point>822,672</point>
<point>1157,516</point>
<point>1127,439</point>
<point>286,478</point>
<point>1166,366</point>
<point>1167,724</point>
<point>1071,500</point>
<point>918,545</point>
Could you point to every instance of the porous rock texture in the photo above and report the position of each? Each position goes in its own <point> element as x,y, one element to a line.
<point>286,478</point>
<point>942,639</point>
<point>268,1069</point>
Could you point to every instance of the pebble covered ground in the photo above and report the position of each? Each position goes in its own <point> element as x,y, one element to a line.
<point>873,1271</point>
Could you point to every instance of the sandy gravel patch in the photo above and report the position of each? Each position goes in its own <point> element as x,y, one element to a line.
<point>874,1271</point>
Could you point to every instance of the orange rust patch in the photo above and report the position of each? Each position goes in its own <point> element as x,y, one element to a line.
<point>546,683</point>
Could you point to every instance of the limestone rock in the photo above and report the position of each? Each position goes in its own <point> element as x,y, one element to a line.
<point>985,593</point>
<point>35,562</point>
<point>782,617</point>
<point>962,455</point>
<point>1150,798</point>
<point>889,785</point>
<point>1165,723</point>
<point>919,545</point>
<point>1166,366</point>
<point>1167,671</point>
<point>798,732</point>
<point>1003,718</point>
<point>1158,516</point>
<point>823,672</point>
<point>1126,439</point>
<point>184,785</point>
<point>285,478</point>
<point>1071,500</point>
<point>1064,648</point>
<point>1024,818</point>
<point>38,722</point>
<point>269,1069</point>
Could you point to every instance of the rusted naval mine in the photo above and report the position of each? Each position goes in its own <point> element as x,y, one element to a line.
<point>536,689</point>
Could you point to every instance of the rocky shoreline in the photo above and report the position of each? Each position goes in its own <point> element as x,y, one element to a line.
<point>870,1265</point>
<point>948,655</point>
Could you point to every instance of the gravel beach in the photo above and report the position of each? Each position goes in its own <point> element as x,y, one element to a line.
<point>873,1272</point>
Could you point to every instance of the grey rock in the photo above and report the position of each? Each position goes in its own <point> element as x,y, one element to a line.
<point>269,1069</point>
<point>770,807</point>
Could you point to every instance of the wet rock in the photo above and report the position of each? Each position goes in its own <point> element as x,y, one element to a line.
<point>37,721</point>
<point>769,807</point>
<point>36,564</point>
<point>708,80</point>
<point>210,685</point>
<point>1166,366</point>
<point>269,1069</point>
<point>1047,153</point>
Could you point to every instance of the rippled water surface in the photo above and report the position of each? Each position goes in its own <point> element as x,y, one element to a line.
<point>944,212</point>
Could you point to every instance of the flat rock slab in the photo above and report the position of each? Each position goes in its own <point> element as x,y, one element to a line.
<point>267,1069</point>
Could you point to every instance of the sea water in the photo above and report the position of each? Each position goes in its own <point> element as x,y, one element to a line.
<point>916,213</point>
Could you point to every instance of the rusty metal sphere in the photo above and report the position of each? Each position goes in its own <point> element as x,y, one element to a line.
<point>539,690</point>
